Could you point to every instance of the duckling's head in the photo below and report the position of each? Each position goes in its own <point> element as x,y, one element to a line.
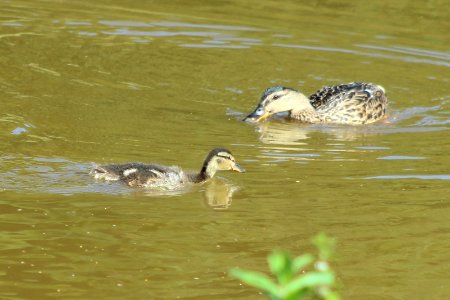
<point>220,159</point>
<point>277,99</point>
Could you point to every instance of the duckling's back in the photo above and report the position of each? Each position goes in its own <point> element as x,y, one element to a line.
<point>141,175</point>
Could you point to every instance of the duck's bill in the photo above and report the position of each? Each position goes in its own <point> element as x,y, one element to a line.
<point>257,115</point>
<point>238,168</point>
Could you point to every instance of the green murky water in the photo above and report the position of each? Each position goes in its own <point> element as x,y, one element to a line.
<point>121,81</point>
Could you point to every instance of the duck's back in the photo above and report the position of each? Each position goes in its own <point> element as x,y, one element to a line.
<point>352,103</point>
<point>141,175</point>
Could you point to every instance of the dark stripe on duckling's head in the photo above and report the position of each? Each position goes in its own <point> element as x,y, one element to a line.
<point>219,159</point>
<point>216,151</point>
<point>274,89</point>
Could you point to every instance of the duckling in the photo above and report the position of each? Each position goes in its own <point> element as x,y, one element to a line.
<point>157,176</point>
<point>354,103</point>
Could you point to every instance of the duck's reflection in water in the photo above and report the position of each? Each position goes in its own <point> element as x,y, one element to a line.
<point>218,194</point>
<point>287,132</point>
<point>294,133</point>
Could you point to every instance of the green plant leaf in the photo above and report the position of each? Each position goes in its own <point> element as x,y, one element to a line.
<point>301,262</point>
<point>316,284</point>
<point>309,280</point>
<point>325,245</point>
<point>332,296</point>
<point>280,263</point>
<point>256,279</point>
<point>277,261</point>
<point>298,295</point>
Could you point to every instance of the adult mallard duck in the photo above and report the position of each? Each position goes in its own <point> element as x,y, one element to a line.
<point>353,103</point>
<point>157,176</point>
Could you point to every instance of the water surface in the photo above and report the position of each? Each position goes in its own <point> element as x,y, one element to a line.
<point>119,81</point>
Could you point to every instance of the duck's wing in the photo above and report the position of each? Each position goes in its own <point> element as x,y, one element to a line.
<point>354,91</point>
<point>353,103</point>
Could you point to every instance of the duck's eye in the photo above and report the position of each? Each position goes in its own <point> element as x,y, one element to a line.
<point>275,97</point>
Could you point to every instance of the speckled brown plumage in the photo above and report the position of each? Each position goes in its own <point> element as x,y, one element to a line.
<point>354,103</point>
<point>157,176</point>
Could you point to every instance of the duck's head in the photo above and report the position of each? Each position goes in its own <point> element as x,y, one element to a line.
<point>274,100</point>
<point>220,159</point>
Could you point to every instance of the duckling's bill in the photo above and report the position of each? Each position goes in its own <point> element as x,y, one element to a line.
<point>257,115</point>
<point>237,167</point>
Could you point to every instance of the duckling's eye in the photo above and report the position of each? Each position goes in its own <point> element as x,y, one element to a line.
<point>275,97</point>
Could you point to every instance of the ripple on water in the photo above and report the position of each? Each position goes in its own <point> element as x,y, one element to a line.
<point>20,125</point>
<point>400,157</point>
<point>162,33</point>
<point>61,176</point>
<point>210,35</point>
<point>18,130</point>
<point>413,176</point>
<point>372,148</point>
<point>416,58</point>
<point>51,175</point>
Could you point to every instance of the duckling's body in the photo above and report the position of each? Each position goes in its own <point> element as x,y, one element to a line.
<point>142,175</point>
<point>158,176</point>
<point>355,103</point>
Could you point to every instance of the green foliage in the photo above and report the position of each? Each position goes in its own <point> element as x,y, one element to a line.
<point>293,282</point>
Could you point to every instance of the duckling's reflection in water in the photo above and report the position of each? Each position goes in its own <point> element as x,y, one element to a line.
<point>218,194</point>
